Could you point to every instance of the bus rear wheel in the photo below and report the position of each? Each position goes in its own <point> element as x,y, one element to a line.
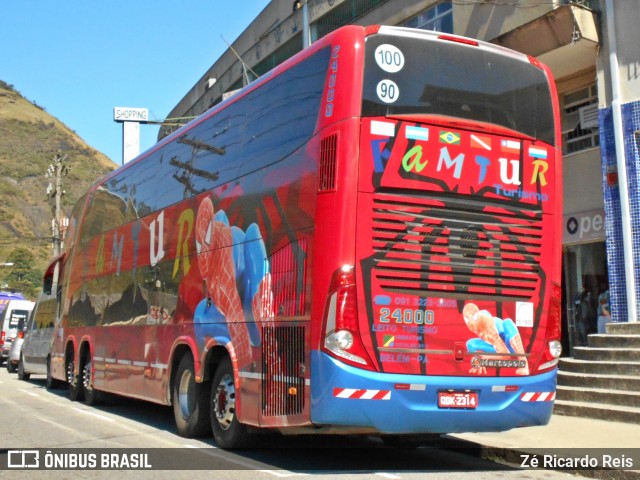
<point>75,386</point>
<point>228,432</point>
<point>190,401</point>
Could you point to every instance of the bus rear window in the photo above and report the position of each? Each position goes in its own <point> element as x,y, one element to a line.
<point>439,78</point>
<point>17,318</point>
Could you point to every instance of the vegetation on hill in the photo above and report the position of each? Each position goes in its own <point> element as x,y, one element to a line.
<point>29,140</point>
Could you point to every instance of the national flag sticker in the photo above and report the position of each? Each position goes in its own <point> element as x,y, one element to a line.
<point>481,141</point>
<point>510,146</point>
<point>451,138</point>
<point>386,129</point>
<point>537,152</point>
<point>388,340</point>
<point>417,133</point>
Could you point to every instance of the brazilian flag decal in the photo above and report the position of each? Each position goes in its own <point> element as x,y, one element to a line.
<point>451,138</point>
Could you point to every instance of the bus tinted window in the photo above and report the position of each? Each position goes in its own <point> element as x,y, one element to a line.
<point>281,118</point>
<point>414,76</point>
<point>262,128</point>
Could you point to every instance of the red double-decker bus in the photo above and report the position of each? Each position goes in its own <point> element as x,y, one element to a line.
<point>371,227</point>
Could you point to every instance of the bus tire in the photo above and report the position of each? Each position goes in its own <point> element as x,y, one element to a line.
<point>91,395</point>
<point>51,383</point>
<point>228,432</point>
<point>190,401</point>
<point>73,382</point>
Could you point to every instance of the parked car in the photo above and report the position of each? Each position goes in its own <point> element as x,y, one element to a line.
<point>35,356</point>
<point>15,311</point>
<point>16,347</point>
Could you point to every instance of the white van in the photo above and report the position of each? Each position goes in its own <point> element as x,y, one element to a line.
<point>13,317</point>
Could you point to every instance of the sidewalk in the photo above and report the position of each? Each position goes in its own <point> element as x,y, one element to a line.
<point>564,432</point>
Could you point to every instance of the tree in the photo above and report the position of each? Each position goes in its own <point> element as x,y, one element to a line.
<point>22,276</point>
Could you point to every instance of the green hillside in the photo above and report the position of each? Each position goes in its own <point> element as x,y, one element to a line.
<point>29,140</point>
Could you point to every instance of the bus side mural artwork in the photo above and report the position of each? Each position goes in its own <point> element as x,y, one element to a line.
<point>356,232</point>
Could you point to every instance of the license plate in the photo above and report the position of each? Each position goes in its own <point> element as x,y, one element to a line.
<point>457,399</point>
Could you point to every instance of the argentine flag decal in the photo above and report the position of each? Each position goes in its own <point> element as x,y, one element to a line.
<point>417,133</point>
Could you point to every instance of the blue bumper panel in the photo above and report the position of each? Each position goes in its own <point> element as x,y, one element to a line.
<point>394,403</point>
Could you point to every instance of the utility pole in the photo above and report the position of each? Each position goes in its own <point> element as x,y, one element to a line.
<point>304,5</point>
<point>54,194</point>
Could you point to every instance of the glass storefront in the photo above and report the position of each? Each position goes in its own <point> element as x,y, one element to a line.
<point>584,278</point>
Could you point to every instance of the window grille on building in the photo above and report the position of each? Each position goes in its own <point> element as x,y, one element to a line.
<point>580,120</point>
<point>438,18</point>
<point>344,14</point>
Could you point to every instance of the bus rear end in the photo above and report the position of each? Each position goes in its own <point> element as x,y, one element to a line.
<point>448,318</point>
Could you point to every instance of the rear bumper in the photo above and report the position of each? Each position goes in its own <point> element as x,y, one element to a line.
<point>403,404</point>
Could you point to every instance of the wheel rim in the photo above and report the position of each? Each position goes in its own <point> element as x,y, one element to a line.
<point>186,396</point>
<point>224,402</point>
<point>71,378</point>
<point>86,378</point>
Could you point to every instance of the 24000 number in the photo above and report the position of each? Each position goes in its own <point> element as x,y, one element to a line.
<point>407,316</point>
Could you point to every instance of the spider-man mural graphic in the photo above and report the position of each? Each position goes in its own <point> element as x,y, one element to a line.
<point>237,281</point>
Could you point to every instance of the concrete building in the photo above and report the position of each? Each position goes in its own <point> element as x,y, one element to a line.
<point>582,41</point>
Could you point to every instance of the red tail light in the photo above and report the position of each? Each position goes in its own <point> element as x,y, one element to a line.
<point>342,332</point>
<point>371,30</point>
<point>20,334</point>
<point>2,337</point>
<point>535,62</point>
<point>553,344</point>
<point>464,40</point>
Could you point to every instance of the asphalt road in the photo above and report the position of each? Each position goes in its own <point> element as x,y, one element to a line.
<point>33,418</point>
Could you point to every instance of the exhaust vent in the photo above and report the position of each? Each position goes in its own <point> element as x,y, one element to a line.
<point>327,167</point>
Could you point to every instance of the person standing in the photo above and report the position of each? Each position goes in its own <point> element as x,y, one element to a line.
<point>585,315</point>
<point>604,309</point>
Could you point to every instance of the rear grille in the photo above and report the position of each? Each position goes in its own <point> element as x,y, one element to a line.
<point>455,247</point>
<point>283,364</point>
<point>288,278</point>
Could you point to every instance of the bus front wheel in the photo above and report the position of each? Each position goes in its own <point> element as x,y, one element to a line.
<point>228,432</point>
<point>190,401</point>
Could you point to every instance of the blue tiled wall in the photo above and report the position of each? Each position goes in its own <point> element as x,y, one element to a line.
<point>613,223</point>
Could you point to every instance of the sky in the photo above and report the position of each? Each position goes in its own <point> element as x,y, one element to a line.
<point>78,59</point>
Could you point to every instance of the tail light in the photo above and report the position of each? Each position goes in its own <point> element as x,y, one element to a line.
<point>20,334</point>
<point>463,40</point>
<point>551,354</point>
<point>535,62</point>
<point>2,337</point>
<point>371,30</point>
<point>342,333</point>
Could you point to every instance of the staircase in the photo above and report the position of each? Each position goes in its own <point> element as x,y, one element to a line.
<point>603,380</point>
